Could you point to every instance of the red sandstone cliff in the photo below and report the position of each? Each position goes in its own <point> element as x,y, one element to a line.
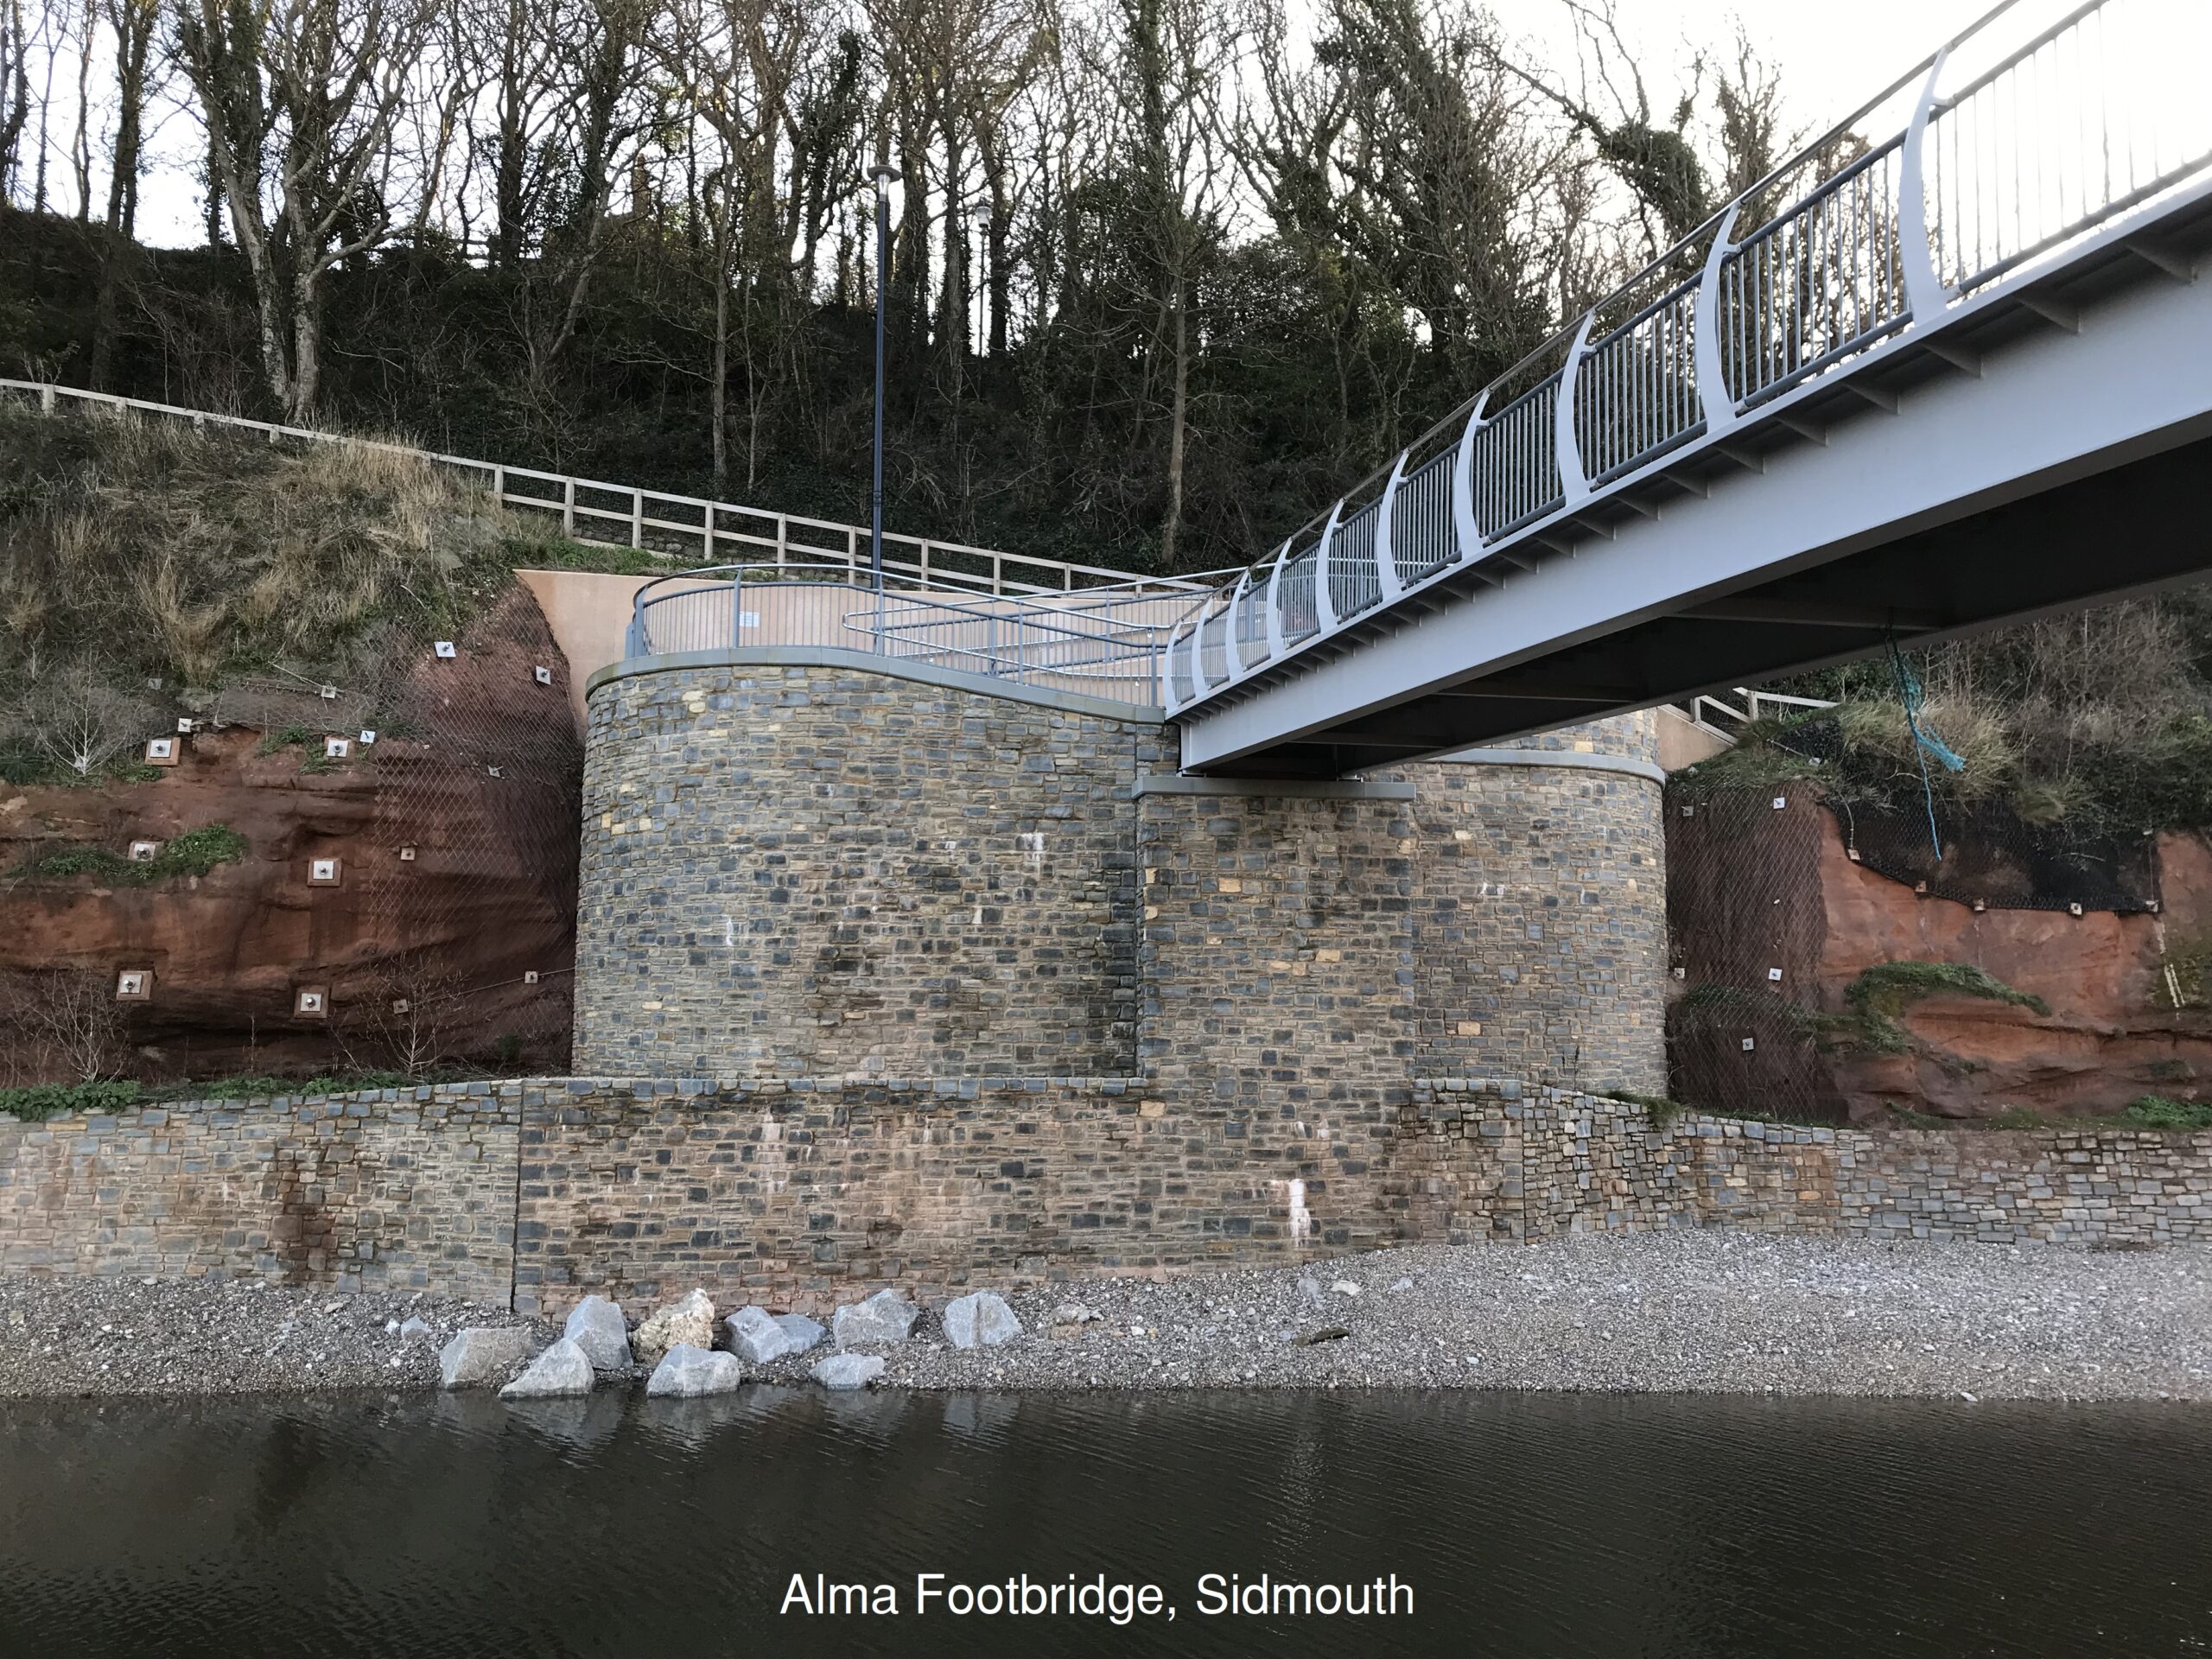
<point>1752,889</point>
<point>425,959</point>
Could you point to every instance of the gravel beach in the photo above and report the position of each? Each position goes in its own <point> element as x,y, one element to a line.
<point>1710,1312</point>
<point>199,1336</point>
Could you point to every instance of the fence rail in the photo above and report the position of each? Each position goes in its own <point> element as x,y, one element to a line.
<point>1725,719</point>
<point>2040,146</point>
<point>669,526</point>
<point>1102,642</point>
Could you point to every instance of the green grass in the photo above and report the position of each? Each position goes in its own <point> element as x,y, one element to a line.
<point>42,1101</point>
<point>291,737</point>
<point>1887,990</point>
<point>2143,1112</point>
<point>1661,1111</point>
<point>527,551</point>
<point>313,760</point>
<point>196,852</point>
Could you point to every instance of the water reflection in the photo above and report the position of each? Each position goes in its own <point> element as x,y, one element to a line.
<point>1528,1525</point>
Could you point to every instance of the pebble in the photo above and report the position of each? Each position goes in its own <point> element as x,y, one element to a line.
<point>1706,1311</point>
<point>211,1336</point>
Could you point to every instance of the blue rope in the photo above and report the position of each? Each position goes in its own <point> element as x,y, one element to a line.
<point>1924,743</point>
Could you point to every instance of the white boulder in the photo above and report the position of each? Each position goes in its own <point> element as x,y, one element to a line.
<point>483,1355</point>
<point>754,1334</point>
<point>685,1373</point>
<point>980,1320</point>
<point>849,1370</point>
<point>595,1325</point>
<point>882,1321</point>
<point>803,1333</point>
<point>561,1370</point>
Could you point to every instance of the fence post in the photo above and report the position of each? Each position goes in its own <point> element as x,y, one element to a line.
<point>499,484</point>
<point>46,399</point>
<point>1325,602</point>
<point>1713,389</point>
<point>707,552</point>
<point>1275,602</point>
<point>569,508</point>
<point>1386,551</point>
<point>1574,483</point>
<point>783,538</point>
<point>1924,285</point>
<point>1463,524</point>
<point>637,518</point>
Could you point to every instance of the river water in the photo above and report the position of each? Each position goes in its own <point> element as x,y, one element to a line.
<point>1544,1525</point>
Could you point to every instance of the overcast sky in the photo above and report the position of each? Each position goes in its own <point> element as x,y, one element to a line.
<point>1832,54</point>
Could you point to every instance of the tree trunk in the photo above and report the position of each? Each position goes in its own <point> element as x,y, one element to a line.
<point>306,345</point>
<point>718,386</point>
<point>1178,408</point>
<point>134,31</point>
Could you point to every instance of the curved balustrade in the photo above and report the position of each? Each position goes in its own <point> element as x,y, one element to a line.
<point>1102,642</point>
<point>1517,477</point>
<point>2052,140</point>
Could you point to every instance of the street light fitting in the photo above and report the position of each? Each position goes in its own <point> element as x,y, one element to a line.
<point>885,174</point>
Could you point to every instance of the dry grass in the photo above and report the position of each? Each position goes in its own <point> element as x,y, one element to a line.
<point>194,556</point>
<point>2101,719</point>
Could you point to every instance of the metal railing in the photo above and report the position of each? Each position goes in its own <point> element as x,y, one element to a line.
<point>672,527</point>
<point>1102,641</point>
<point>1711,714</point>
<point>2042,145</point>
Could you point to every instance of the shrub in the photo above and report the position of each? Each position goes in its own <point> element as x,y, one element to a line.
<point>1661,1111</point>
<point>2157,1112</point>
<point>44,1100</point>
<point>1887,990</point>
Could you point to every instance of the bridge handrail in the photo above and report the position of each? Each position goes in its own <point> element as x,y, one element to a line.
<point>712,525</point>
<point>1722,324</point>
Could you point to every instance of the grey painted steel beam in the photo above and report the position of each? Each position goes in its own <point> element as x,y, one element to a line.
<point>2051,409</point>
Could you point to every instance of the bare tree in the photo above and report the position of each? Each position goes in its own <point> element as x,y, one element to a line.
<point>739,65</point>
<point>1172,58</point>
<point>409,1016</point>
<point>15,90</point>
<point>134,23</point>
<point>301,99</point>
<point>67,1018</point>
<point>76,719</point>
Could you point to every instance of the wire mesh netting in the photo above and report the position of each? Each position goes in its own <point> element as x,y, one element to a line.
<point>1769,1013</point>
<point>1978,849</point>
<point>470,881</point>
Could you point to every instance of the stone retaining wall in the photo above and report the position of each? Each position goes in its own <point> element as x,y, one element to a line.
<point>374,1191</point>
<point>804,1193</point>
<point>1477,1158</point>
<point>811,1194</point>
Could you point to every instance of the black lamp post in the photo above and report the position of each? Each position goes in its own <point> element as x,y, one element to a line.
<point>884,176</point>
